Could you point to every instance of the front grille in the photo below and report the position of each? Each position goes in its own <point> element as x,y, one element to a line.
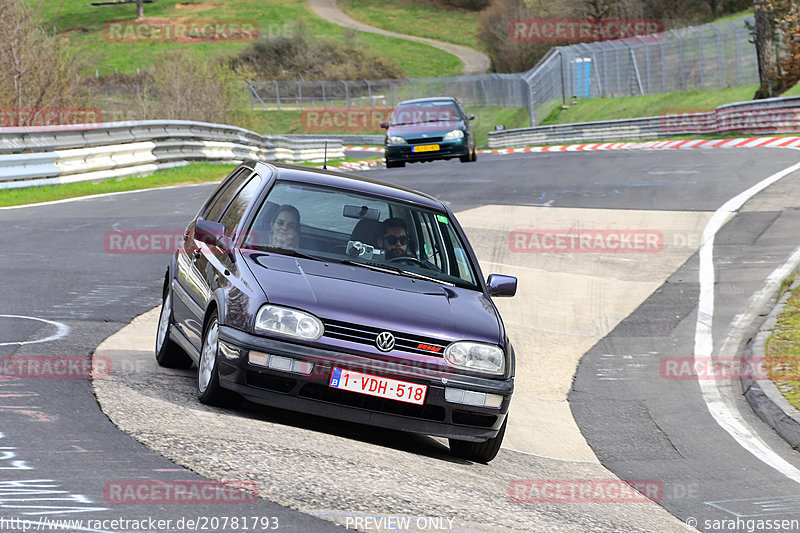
<point>367,335</point>
<point>425,140</point>
<point>371,403</point>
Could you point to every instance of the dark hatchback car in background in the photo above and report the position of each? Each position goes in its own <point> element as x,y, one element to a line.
<point>427,129</point>
<point>282,294</point>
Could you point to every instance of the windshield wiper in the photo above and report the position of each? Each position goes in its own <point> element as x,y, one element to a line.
<point>284,251</point>
<point>391,269</point>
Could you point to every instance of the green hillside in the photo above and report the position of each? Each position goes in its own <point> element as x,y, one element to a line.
<point>412,17</point>
<point>85,27</point>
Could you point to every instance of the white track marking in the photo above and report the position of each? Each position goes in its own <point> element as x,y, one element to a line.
<point>62,330</point>
<point>724,412</point>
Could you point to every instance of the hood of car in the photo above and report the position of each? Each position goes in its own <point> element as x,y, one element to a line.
<point>359,296</point>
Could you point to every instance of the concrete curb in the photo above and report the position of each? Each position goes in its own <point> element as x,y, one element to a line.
<point>763,396</point>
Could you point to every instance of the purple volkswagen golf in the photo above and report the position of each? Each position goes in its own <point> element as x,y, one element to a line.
<point>342,296</point>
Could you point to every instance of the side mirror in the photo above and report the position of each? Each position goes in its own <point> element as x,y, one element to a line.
<point>500,285</point>
<point>211,233</point>
<point>470,117</point>
<point>384,125</point>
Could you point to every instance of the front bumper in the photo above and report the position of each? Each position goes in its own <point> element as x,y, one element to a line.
<point>311,393</point>
<point>447,149</point>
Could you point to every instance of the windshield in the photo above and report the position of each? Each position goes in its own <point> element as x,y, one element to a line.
<point>337,225</point>
<point>425,113</point>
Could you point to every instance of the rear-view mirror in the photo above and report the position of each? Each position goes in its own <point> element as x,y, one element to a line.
<point>211,233</point>
<point>500,285</point>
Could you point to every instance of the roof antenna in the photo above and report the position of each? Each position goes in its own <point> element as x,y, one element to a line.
<point>325,159</point>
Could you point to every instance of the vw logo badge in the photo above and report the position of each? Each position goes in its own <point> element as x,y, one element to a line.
<point>385,341</point>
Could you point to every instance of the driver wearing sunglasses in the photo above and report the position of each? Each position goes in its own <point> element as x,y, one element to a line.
<point>394,238</point>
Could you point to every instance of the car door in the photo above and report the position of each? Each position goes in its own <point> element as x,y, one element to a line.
<point>197,261</point>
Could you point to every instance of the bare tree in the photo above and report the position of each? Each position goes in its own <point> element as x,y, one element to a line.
<point>770,82</point>
<point>36,72</point>
<point>139,9</point>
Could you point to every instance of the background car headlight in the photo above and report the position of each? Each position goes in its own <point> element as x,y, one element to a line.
<point>453,135</point>
<point>289,322</point>
<point>476,356</point>
<point>395,140</point>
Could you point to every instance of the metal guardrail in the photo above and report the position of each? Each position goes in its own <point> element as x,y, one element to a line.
<point>774,115</point>
<point>63,154</point>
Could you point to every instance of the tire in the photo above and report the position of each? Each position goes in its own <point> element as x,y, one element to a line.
<point>478,452</point>
<point>469,158</point>
<point>168,353</point>
<point>209,390</point>
<point>394,164</point>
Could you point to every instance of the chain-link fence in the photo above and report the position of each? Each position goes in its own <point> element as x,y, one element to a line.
<point>712,56</point>
<point>504,90</point>
<point>704,57</point>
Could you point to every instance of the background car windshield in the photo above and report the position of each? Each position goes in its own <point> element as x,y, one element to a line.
<point>427,112</point>
<point>340,225</point>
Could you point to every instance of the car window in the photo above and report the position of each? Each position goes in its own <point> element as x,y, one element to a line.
<point>233,214</point>
<point>321,208</point>
<point>223,197</point>
<point>426,112</point>
<point>339,225</point>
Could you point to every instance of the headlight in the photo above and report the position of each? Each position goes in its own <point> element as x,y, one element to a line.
<point>476,356</point>
<point>453,135</point>
<point>289,322</point>
<point>395,140</point>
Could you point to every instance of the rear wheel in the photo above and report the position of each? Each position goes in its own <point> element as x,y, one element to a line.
<point>209,390</point>
<point>169,354</point>
<point>479,452</point>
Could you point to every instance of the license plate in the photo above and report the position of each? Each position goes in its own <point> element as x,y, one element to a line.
<point>392,389</point>
<point>425,148</point>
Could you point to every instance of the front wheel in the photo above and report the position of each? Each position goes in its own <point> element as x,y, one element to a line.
<point>470,157</point>
<point>394,164</point>
<point>169,354</point>
<point>209,390</point>
<point>478,452</point>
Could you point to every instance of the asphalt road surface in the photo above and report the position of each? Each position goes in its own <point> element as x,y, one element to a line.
<point>67,290</point>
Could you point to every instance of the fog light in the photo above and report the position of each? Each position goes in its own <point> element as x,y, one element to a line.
<point>468,397</point>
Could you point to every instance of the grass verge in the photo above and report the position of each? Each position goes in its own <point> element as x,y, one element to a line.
<point>186,175</point>
<point>194,173</point>
<point>594,109</point>
<point>783,347</point>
